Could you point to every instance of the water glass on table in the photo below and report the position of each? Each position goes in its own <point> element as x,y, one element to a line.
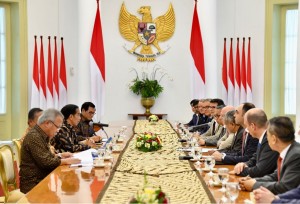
<point>232,191</point>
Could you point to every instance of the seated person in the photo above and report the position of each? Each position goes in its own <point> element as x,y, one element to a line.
<point>84,129</point>
<point>248,144</point>
<point>66,138</point>
<point>263,195</point>
<point>37,160</point>
<point>231,128</point>
<point>195,118</point>
<point>281,138</point>
<point>33,116</point>
<point>211,140</point>
<point>264,161</point>
<point>204,117</point>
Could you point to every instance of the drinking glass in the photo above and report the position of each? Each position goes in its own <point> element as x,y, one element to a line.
<point>232,190</point>
<point>209,164</point>
<point>223,174</point>
<point>198,153</point>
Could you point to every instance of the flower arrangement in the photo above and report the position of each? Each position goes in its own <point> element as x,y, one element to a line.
<point>148,142</point>
<point>148,85</point>
<point>149,195</point>
<point>153,118</point>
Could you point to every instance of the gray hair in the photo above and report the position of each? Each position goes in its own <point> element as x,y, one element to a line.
<point>49,114</point>
<point>229,117</point>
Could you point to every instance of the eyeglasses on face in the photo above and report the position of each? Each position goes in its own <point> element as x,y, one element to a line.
<point>58,127</point>
<point>91,113</point>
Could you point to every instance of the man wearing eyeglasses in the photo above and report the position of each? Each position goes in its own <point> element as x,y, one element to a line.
<point>84,130</point>
<point>37,160</point>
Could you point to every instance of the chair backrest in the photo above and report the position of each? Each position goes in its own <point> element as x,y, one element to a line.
<point>17,150</point>
<point>7,173</point>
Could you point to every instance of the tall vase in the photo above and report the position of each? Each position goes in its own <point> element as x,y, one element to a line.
<point>148,103</point>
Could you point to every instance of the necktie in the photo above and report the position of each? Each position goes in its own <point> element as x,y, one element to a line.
<point>197,119</point>
<point>243,142</point>
<point>279,162</point>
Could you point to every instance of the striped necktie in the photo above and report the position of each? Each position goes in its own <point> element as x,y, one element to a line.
<point>279,163</point>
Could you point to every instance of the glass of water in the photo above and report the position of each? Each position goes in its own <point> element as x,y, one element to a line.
<point>223,174</point>
<point>232,190</point>
<point>209,164</point>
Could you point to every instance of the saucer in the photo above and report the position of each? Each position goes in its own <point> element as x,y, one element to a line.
<point>107,157</point>
<point>99,166</point>
<point>208,170</point>
<point>120,140</point>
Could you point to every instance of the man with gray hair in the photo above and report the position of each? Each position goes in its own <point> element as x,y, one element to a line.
<point>37,160</point>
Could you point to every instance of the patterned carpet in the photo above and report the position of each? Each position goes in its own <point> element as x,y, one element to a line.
<point>176,178</point>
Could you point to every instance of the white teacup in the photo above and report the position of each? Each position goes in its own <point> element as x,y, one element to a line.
<point>99,162</point>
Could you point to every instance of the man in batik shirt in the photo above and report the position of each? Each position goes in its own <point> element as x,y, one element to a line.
<point>37,160</point>
<point>66,139</point>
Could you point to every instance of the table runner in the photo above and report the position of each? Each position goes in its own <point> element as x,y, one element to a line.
<point>177,179</point>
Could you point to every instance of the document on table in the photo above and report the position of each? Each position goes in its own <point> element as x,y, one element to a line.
<point>85,157</point>
<point>204,150</point>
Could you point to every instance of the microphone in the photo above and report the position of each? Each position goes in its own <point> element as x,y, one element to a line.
<point>185,157</point>
<point>98,124</point>
<point>200,126</point>
<point>101,125</point>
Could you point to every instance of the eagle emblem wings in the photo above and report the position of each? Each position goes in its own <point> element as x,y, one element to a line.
<point>146,32</point>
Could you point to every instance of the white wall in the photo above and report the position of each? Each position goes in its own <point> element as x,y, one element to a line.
<point>74,19</point>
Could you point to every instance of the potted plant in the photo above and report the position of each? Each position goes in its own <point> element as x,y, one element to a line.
<point>148,86</point>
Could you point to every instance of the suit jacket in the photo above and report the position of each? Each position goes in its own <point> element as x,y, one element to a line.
<point>214,127</point>
<point>225,141</point>
<point>193,121</point>
<point>202,120</point>
<point>236,145</point>
<point>263,162</point>
<point>292,196</point>
<point>289,174</point>
<point>212,140</point>
<point>249,149</point>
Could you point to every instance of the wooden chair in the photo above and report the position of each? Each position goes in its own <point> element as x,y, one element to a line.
<point>17,151</point>
<point>8,175</point>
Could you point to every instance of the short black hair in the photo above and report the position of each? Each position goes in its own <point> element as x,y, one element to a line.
<point>247,106</point>
<point>194,102</point>
<point>85,106</point>
<point>218,101</point>
<point>68,110</point>
<point>283,128</point>
<point>32,113</point>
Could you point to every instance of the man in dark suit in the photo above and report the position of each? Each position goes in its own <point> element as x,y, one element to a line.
<point>195,118</point>
<point>263,162</point>
<point>245,142</point>
<point>281,138</point>
<point>263,195</point>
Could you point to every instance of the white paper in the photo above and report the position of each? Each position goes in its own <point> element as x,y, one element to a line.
<point>204,150</point>
<point>85,157</point>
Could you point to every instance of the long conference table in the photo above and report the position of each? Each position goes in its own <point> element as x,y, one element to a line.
<point>123,175</point>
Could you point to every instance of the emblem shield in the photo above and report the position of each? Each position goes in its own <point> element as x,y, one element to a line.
<point>146,32</point>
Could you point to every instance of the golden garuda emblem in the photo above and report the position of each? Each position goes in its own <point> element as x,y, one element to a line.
<point>146,32</point>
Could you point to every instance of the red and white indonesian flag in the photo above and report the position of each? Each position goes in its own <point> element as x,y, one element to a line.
<point>55,76</point>
<point>224,75</point>
<point>97,65</point>
<point>49,78</point>
<point>249,72</point>
<point>237,90</point>
<point>198,69</point>
<point>243,97</point>
<point>35,85</point>
<point>62,100</point>
<point>231,80</point>
<point>43,97</point>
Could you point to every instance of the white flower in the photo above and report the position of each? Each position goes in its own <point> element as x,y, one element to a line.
<point>138,144</point>
<point>147,145</point>
<point>154,143</point>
